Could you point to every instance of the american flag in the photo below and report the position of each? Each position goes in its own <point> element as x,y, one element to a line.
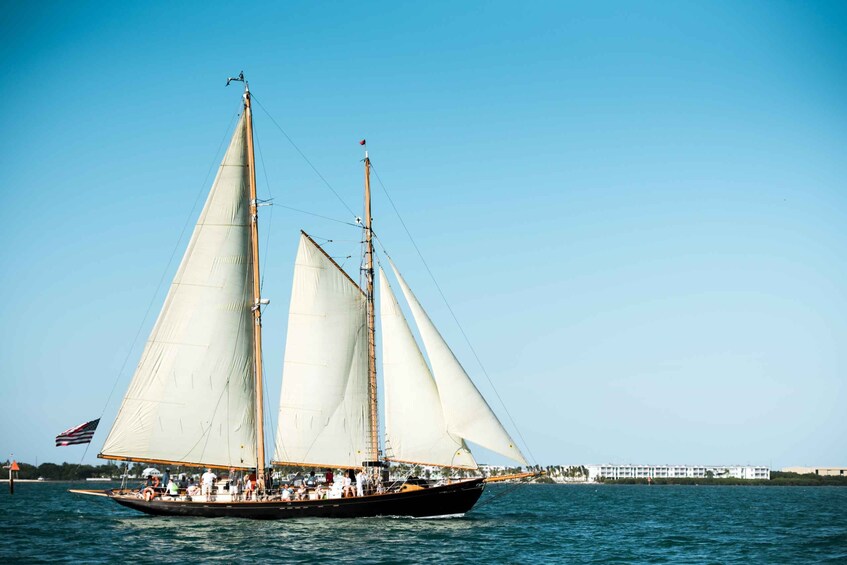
<point>80,434</point>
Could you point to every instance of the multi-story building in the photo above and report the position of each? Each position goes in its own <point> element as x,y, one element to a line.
<point>677,471</point>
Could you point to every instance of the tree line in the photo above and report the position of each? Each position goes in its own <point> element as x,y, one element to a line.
<point>778,478</point>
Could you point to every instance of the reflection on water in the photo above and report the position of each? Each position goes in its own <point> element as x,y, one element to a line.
<point>536,523</point>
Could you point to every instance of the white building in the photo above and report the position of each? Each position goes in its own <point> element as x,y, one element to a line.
<point>677,471</point>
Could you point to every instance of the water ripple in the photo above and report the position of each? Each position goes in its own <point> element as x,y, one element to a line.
<point>533,524</point>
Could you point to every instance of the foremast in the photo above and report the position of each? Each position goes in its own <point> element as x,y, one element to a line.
<point>373,420</point>
<point>257,298</point>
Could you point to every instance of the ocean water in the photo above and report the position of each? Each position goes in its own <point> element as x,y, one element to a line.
<point>529,524</point>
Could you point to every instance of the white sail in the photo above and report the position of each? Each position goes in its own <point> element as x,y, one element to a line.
<point>414,420</point>
<point>323,407</point>
<point>192,397</point>
<point>465,410</point>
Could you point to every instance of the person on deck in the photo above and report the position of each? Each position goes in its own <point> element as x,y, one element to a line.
<point>207,480</point>
<point>311,480</point>
<point>329,477</point>
<point>360,483</point>
<point>349,480</point>
<point>149,492</point>
<point>173,488</point>
<point>166,478</point>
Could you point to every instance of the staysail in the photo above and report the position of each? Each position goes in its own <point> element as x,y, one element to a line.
<point>414,420</point>
<point>467,414</point>
<point>192,398</point>
<point>323,407</point>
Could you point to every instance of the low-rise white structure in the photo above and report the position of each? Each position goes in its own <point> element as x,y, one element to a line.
<point>677,471</point>
<point>822,471</point>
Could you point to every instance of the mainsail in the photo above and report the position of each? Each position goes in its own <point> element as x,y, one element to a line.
<point>414,420</point>
<point>192,397</point>
<point>323,406</point>
<point>467,414</point>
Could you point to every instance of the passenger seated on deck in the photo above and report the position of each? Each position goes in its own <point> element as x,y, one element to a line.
<point>149,492</point>
<point>193,489</point>
<point>311,480</point>
<point>336,489</point>
<point>301,492</point>
<point>320,494</point>
<point>286,492</point>
<point>349,489</point>
<point>248,488</point>
<point>173,488</point>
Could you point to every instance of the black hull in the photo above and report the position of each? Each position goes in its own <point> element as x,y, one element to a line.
<point>447,500</point>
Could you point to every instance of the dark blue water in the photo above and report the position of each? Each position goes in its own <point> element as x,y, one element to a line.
<point>531,524</point>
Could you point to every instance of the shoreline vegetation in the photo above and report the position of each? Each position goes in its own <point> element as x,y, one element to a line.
<point>77,472</point>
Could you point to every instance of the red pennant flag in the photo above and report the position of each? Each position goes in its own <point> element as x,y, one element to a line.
<point>362,142</point>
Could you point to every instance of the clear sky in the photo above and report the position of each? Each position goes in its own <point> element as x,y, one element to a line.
<point>638,211</point>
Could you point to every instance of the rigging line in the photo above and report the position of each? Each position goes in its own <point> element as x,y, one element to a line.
<point>170,260</point>
<point>509,490</point>
<point>270,214</point>
<point>294,145</point>
<point>318,215</point>
<point>453,314</point>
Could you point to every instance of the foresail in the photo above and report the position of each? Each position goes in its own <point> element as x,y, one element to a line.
<point>414,420</point>
<point>192,396</point>
<point>323,407</point>
<point>465,410</point>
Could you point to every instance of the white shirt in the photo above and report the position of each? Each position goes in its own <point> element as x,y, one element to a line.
<point>208,477</point>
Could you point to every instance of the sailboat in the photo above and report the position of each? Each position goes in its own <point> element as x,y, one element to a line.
<point>196,398</point>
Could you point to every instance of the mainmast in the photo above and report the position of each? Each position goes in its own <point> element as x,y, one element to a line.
<point>369,275</point>
<point>257,299</point>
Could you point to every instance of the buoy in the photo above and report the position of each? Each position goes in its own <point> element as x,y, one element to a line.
<point>13,468</point>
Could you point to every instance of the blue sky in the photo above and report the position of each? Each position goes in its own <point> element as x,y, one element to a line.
<point>636,210</point>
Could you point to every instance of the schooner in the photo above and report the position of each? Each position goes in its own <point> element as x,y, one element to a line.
<point>196,397</point>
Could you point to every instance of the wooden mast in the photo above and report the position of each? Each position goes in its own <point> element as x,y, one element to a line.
<point>369,275</point>
<point>257,299</point>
